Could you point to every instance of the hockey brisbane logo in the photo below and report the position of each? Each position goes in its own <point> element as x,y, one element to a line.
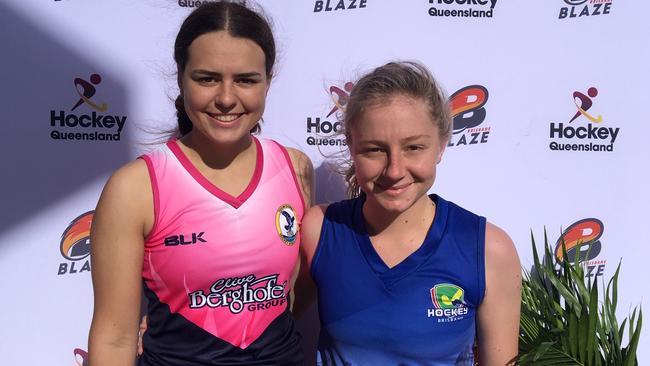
<point>286,224</point>
<point>584,8</point>
<point>582,242</point>
<point>448,303</point>
<point>462,8</point>
<point>585,129</point>
<point>324,131</point>
<point>468,113</point>
<point>96,126</point>
<point>75,245</point>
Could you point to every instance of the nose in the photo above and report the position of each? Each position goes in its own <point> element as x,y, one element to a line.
<point>226,97</point>
<point>395,169</point>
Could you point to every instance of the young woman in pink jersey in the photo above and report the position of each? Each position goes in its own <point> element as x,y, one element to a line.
<point>206,226</point>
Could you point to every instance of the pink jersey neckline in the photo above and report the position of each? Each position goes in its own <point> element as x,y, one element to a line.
<point>235,202</point>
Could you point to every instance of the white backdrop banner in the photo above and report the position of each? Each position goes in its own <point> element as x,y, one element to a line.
<point>549,127</point>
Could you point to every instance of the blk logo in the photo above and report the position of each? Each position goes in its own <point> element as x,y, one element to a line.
<point>184,239</point>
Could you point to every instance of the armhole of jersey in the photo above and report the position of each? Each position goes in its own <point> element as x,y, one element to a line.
<point>293,174</point>
<point>480,263</point>
<point>317,251</point>
<point>154,190</point>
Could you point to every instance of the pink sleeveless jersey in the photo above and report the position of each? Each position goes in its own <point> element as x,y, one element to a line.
<point>223,263</point>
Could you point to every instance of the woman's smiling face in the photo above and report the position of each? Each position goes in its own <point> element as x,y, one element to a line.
<point>224,86</point>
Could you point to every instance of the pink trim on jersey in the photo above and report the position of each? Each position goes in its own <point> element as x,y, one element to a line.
<point>154,189</point>
<point>293,172</point>
<point>235,202</point>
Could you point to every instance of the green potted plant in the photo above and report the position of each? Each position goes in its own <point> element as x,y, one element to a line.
<point>564,322</point>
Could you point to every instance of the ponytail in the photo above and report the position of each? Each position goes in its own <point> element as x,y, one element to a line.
<point>184,122</point>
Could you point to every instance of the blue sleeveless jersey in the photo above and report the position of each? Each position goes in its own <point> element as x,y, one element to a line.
<point>420,312</point>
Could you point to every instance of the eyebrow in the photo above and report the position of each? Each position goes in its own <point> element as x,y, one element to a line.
<point>416,137</point>
<point>240,75</point>
<point>404,140</point>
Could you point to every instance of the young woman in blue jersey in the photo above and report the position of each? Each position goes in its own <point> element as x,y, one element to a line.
<point>403,277</point>
<point>163,223</point>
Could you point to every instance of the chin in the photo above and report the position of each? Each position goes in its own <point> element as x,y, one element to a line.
<point>393,205</point>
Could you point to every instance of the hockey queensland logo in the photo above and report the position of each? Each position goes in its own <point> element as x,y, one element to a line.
<point>78,125</point>
<point>325,130</point>
<point>448,303</point>
<point>286,224</point>
<point>462,8</point>
<point>582,242</point>
<point>75,245</point>
<point>468,113</point>
<point>586,129</point>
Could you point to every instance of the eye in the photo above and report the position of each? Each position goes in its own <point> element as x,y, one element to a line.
<point>373,150</point>
<point>415,147</point>
<point>203,80</point>
<point>249,81</point>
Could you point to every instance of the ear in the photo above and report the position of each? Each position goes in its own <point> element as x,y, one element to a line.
<point>179,80</point>
<point>442,151</point>
<point>268,83</point>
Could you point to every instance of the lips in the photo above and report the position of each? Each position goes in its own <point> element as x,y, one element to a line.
<point>395,188</point>
<point>225,118</point>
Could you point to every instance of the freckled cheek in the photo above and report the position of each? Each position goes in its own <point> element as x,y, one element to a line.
<point>367,169</point>
<point>424,171</point>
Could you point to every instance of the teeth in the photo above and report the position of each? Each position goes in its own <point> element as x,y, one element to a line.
<point>226,117</point>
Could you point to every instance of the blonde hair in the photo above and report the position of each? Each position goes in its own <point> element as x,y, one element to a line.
<point>407,78</point>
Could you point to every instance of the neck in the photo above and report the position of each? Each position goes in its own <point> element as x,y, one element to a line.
<point>378,220</point>
<point>217,155</point>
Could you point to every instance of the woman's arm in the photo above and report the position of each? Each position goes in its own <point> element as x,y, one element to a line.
<point>498,314</point>
<point>310,234</point>
<point>123,216</point>
<point>305,174</point>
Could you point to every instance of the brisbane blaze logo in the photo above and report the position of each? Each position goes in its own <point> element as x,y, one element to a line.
<point>582,243</point>
<point>584,8</point>
<point>81,357</point>
<point>468,112</point>
<point>335,5</point>
<point>448,303</point>
<point>286,224</point>
<point>75,244</point>
<point>591,136</point>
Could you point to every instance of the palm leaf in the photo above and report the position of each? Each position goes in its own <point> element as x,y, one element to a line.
<point>565,322</point>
